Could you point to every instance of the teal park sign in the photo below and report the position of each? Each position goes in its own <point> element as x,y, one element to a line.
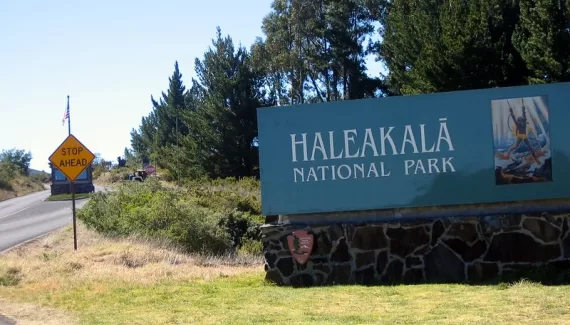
<point>481,146</point>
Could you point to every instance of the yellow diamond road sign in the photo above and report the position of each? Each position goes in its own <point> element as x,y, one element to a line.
<point>71,157</point>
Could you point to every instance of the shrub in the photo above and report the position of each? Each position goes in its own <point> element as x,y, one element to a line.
<point>98,170</point>
<point>241,225</point>
<point>119,174</point>
<point>251,247</point>
<point>5,182</point>
<point>7,174</point>
<point>201,219</point>
<point>165,175</point>
<point>10,277</point>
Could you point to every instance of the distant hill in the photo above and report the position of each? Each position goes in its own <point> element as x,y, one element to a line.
<point>38,172</point>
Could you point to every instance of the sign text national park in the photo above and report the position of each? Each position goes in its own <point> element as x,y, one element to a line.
<point>340,154</point>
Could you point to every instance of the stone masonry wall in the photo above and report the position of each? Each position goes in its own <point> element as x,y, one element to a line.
<point>469,249</point>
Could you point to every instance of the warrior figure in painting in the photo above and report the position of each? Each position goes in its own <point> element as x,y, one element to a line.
<point>520,132</point>
<point>522,146</point>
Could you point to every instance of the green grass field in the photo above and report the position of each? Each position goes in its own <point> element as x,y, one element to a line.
<point>112,281</point>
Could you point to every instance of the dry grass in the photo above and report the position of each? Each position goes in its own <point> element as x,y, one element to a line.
<point>98,258</point>
<point>5,194</point>
<point>31,314</point>
<point>108,178</point>
<point>20,187</point>
<point>50,264</point>
<point>141,282</point>
<point>111,177</point>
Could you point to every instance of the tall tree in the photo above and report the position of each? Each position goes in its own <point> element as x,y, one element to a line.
<point>443,45</point>
<point>543,39</point>
<point>224,122</point>
<point>318,48</point>
<point>19,158</point>
<point>169,109</point>
<point>163,126</point>
<point>143,140</point>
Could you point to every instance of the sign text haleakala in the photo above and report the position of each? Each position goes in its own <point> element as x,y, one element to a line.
<point>370,142</point>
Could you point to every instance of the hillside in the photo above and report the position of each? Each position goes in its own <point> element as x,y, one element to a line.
<point>13,183</point>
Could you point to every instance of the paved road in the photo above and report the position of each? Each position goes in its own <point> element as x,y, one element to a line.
<point>6,321</point>
<point>27,217</point>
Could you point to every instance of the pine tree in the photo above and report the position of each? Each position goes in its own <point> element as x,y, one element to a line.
<point>435,45</point>
<point>163,127</point>
<point>225,118</point>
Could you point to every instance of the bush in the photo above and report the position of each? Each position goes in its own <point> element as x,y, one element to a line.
<point>200,219</point>
<point>119,174</point>
<point>251,247</point>
<point>241,225</point>
<point>5,182</point>
<point>10,277</point>
<point>98,170</point>
<point>165,175</point>
<point>7,174</point>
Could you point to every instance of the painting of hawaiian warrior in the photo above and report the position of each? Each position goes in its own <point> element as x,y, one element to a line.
<point>521,132</point>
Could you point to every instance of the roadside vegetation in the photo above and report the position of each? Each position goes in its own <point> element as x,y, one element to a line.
<point>66,197</point>
<point>16,178</point>
<point>134,280</point>
<point>207,217</point>
<point>184,247</point>
<point>115,175</point>
<point>38,280</point>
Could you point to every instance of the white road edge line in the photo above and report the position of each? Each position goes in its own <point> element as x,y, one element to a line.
<point>24,209</point>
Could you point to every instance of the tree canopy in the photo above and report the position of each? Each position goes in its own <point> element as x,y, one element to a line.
<point>19,158</point>
<point>316,50</point>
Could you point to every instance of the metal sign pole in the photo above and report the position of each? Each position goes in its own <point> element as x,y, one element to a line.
<point>73,208</point>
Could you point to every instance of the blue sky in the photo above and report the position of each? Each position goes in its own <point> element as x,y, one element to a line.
<point>109,57</point>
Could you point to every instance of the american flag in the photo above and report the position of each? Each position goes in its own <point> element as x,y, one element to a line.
<point>66,114</point>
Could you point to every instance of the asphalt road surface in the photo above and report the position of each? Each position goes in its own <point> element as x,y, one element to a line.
<point>28,217</point>
<point>6,321</point>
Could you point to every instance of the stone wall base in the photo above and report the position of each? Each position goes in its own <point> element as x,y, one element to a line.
<point>472,249</point>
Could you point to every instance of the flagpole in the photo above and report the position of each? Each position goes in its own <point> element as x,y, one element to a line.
<point>72,183</point>
<point>68,117</point>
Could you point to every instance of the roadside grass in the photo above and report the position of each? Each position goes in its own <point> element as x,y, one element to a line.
<point>31,314</point>
<point>44,272</point>
<point>65,197</point>
<point>135,281</point>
